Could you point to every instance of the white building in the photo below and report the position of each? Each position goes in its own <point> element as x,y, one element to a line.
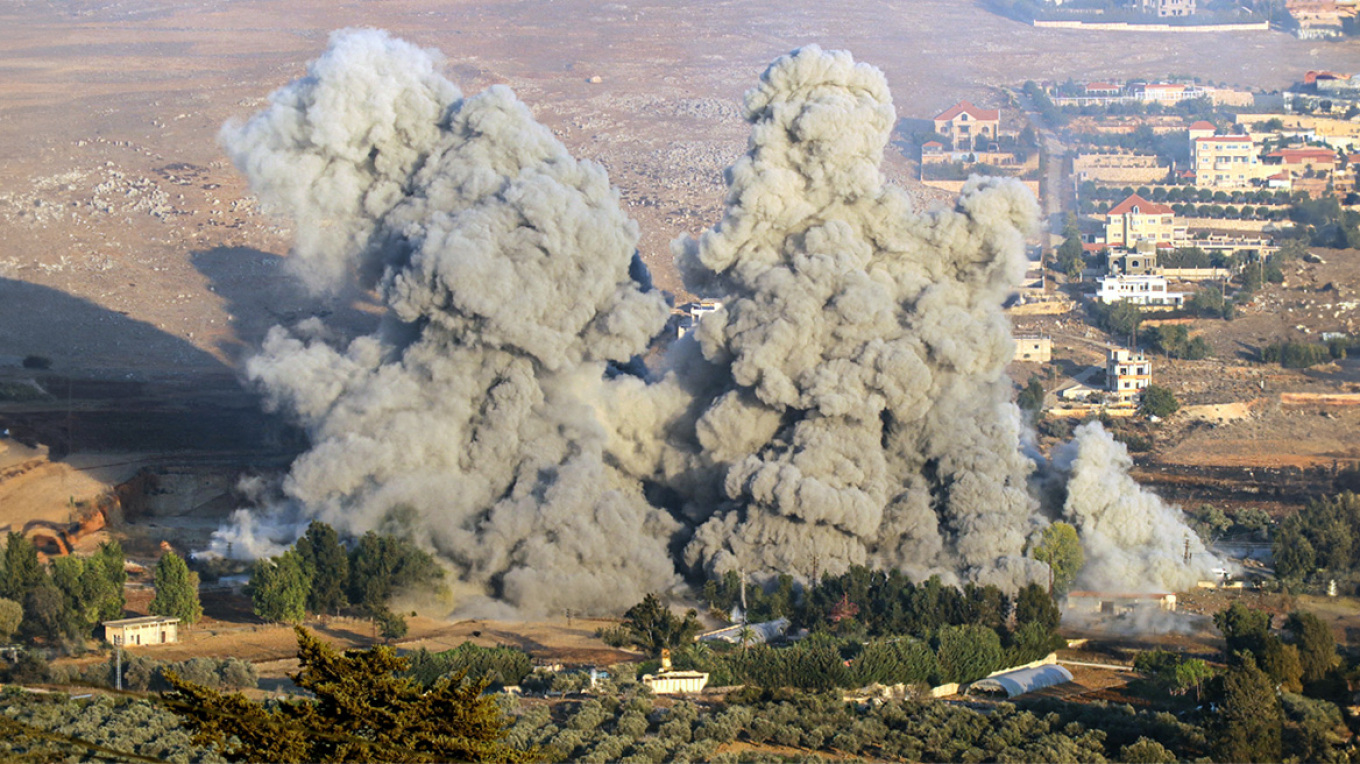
<point>1127,373</point>
<point>694,312</point>
<point>668,681</point>
<point>1147,289</point>
<point>1033,347</point>
<point>146,630</point>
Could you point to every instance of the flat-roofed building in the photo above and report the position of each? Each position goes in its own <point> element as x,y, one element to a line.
<point>1148,289</point>
<point>145,630</point>
<point>1127,373</point>
<point>1034,348</point>
<point>1225,161</point>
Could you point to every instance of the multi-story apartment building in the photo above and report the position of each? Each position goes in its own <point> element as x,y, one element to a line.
<point>1225,161</point>
<point>1127,373</point>
<point>1136,219</point>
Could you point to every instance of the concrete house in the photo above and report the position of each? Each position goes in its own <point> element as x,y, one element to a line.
<point>146,630</point>
<point>1137,220</point>
<point>963,122</point>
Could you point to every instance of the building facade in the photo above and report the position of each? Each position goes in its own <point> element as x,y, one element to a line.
<point>1127,373</point>
<point>1137,220</point>
<point>963,122</point>
<point>1225,161</point>
<point>1168,8</point>
<point>1139,290</point>
<point>1034,348</point>
<point>146,630</point>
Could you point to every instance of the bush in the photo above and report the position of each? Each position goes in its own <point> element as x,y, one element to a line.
<point>1296,355</point>
<point>499,665</point>
<point>37,362</point>
<point>1159,401</point>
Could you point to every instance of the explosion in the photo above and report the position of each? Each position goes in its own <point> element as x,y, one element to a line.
<point>847,405</point>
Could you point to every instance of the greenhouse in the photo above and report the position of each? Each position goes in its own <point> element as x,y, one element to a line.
<point>1021,681</point>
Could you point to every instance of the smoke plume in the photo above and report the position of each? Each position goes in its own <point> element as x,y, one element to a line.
<point>847,405</point>
<point>1131,538</point>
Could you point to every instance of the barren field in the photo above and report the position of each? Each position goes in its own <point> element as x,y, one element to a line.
<point>126,231</point>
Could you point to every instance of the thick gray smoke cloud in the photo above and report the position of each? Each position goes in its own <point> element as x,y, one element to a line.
<point>505,265</point>
<point>848,405</point>
<point>1132,539</point>
<point>860,411</point>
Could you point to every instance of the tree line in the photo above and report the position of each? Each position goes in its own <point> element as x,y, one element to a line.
<point>319,574</point>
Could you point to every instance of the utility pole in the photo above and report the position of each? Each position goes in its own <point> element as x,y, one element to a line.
<point>1187,549</point>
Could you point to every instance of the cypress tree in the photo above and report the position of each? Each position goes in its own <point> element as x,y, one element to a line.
<point>176,590</point>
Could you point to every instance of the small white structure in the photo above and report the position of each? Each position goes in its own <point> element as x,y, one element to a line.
<point>146,630</point>
<point>1144,289</point>
<point>1033,347</point>
<point>692,313</point>
<point>668,681</point>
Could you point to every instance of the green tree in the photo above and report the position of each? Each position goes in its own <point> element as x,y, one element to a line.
<point>1281,662</point>
<point>652,626</point>
<point>45,613</point>
<point>327,565</point>
<point>1034,605</point>
<point>11,615</point>
<point>1159,401</point>
<point>278,588</point>
<point>176,590</point>
<point>110,563</point>
<point>363,708</point>
<point>968,652</point>
<point>22,572</point>
<point>1316,644</point>
<point>1146,751</point>
<point>1031,398</point>
<point>380,565</point>
<point>390,625</point>
<point>1059,547</point>
<point>1244,628</point>
<point>1250,719</point>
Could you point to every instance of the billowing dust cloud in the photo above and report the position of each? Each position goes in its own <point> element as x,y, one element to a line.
<point>847,405</point>
<point>1130,537</point>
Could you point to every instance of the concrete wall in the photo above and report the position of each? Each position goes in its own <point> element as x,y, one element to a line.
<point>1121,26</point>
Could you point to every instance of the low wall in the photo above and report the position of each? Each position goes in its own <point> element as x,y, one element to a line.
<point>956,186</point>
<point>1230,224</point>
<point>1124,26</point>
<point>1047,308</point>
<point>1320,399</point>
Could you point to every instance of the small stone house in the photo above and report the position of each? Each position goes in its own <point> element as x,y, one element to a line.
<point>144,630</point>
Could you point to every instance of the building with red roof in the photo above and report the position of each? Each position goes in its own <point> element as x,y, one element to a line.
<point>1302,158</point>
<point>963,123</point>
<point>1136,219</point>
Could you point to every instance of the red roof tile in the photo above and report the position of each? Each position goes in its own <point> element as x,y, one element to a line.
<point>1203,125</point>
<point>1144,207</point>
<point>1301,155</point>
<point>972,111</point>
